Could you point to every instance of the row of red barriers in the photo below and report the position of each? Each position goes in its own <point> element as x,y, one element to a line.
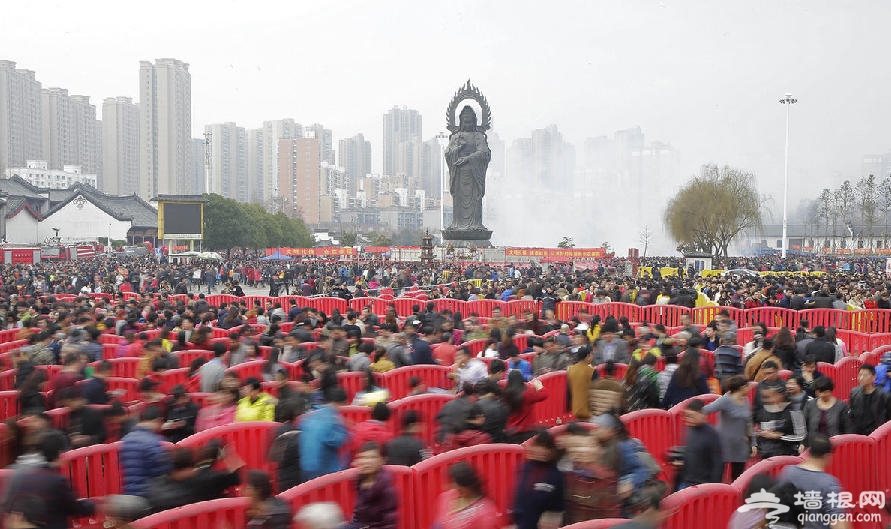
<point>707,506</point>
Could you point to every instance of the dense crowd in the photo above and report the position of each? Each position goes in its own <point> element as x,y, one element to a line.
<point>612,368</point>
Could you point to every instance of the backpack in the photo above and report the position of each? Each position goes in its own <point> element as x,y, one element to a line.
<point>288,441</point>
<point>883,380</point>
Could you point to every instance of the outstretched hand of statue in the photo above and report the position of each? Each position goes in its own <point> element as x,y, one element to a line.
<point>461,161</point>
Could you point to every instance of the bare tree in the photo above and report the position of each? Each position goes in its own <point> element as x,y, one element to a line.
<point>845,202</point>
<point>884,203</point>
<point>826,210</point>
<point>645,237</point>
<point>867,200</point>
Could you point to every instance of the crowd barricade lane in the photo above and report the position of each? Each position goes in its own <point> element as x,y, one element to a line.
<point>667,315</point>
<point>772,466</point>
<point>657,430</point>
<point>707,506</point>
<point>554,409</point>
<point>603,523</point>
<point>352,382</point>
<point>677,415</point>
<point>94,471</point>
<point>223,513</point>
<point>772,316</point>
<point>396,380</point>
<point>855,463</point>
<point>427,406</point>
<point>497,465</point>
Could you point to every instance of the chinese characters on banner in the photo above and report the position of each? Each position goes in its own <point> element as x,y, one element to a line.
<point>325,251</point>
<point>557,253</point>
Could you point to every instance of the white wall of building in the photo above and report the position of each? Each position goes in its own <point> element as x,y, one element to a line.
<point>82,221</point>
<point>22,229</point>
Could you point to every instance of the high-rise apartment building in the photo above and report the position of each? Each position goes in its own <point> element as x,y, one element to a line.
<point>229,161</point>
<point>69,130</point>
<point>402,126</point>
<point>255,161</point>
<point>431,168</point>
<point>273,131</point>
<point>354,156</point>
<point>120,146</point>
<point>326,141</point>
<point>198,176</point>
<point>21,124</point>
<point>299,183</point>
<point>165,111</point>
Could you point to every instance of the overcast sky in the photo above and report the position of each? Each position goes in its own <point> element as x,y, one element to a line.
<point>705,76</point>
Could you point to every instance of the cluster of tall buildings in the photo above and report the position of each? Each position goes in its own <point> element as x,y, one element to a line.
<point>146,147</point>
<point>143,148</point>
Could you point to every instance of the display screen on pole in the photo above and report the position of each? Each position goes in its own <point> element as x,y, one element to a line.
<point>178,220</point>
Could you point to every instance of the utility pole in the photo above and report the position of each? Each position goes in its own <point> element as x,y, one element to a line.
<point>787,100</point>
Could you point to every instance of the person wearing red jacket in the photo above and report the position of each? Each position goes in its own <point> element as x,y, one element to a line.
<point>374,430</point>
<point>520,400</point>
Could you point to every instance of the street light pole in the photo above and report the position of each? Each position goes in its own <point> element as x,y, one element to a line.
<point>787,100</point>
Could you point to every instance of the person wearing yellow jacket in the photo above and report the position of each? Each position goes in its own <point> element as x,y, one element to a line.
<point>255,405</point>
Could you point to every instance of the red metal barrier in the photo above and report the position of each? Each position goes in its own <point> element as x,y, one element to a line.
<point>476,346</point>
<point>705,506</point>
<point>94,471</point>
<point>773,317</point>
<point>9,404</point>
<point>566,310</point>
<point>403,306</point>
<point>496,464</point>
<point>172,377</point>
<point>484,307</point>
<point>667,315</point>
<point>186,357</point>
<point>396,380</point>
<point>223,513</point>
<point>704,315</point>
<point>124,367</point>
<point>621,369</point>
<point>882,438</point>
<point>846,370</point>
<point>853,462</point>
<point>327,305</point>
<point>454,305</point>
<point>830,371</point>
<point>353,415</point>
<point>553,410</point>
<point>677,415</point>
<point>7,380</point>
<point>254,368</point>
<point>626,310</point>
<point>603,523</point>
<point>340,488</point>
<point>352,383</point>
<point>250,440</point>
<point>771,466</point>
<point>129,385</point>
<point>656,429</point>
<point>518,306</point>
<point>427,406</point>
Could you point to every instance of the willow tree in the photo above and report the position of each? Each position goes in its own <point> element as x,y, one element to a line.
<point>713,208</point>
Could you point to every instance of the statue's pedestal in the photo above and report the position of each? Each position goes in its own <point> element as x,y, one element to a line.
<point>473,237</point>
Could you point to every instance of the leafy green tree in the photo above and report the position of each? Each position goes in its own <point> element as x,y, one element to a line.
<point>379,239</point>
<point>349,238</point>
<point>228,224</point>
<point>713,208</point>
<point>566,242</point>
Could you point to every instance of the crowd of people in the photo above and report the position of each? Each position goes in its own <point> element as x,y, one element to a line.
<point>595,469</point>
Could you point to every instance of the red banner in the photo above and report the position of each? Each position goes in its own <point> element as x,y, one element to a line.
<point>557,253</point>
<point>377,249</point>
<point>324,251</point>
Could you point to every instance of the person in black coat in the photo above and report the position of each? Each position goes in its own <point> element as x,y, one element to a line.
<point>43,481</point>
<point>181,416</point>
<point>703,461</point>
<point>86,426</point>
<point>95,390</point>
<point>822,350</point>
